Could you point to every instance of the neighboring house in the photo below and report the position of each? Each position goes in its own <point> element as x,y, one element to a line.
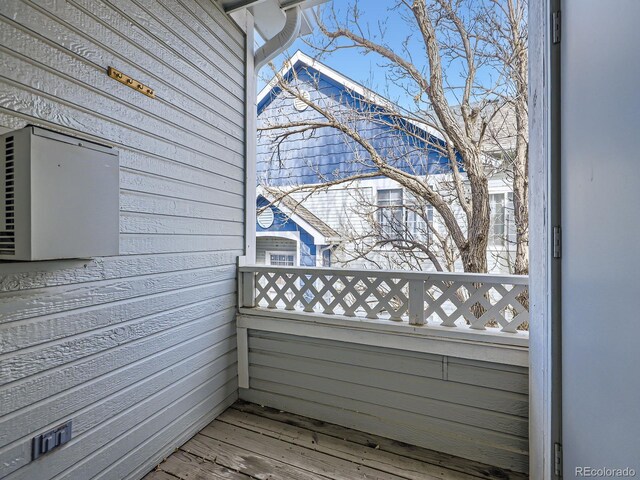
<point>290,235</point>
<point>367,213</point>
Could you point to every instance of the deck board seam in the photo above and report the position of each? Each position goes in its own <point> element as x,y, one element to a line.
<point>319,475</point>
<point>363,463</point>
<point>461,470</point>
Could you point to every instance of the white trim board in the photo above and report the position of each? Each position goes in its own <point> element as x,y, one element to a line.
<point>508,349</point>
<point>318,237</point>
<point>544,130</point>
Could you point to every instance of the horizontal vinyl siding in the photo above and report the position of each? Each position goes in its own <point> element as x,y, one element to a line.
<point>340,208</point>
<point>138,350</point>
<point>273,244</point>
<point>351,211</point>
<point>472,409</point>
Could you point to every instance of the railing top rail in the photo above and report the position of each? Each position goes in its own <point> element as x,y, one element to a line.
<point>403,274</point>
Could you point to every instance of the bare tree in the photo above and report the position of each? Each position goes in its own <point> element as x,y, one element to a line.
<point>486,42</point>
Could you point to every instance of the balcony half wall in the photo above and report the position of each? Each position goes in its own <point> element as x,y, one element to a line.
<point>378,365</point>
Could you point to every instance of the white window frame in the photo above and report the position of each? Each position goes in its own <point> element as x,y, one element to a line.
<point>268,253</point>
<point>424,231</point>
<point>380,209</point>
<point>408,228</point>
<point>507,240</point>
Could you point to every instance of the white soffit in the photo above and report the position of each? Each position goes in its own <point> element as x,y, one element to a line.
<point>269,15</point>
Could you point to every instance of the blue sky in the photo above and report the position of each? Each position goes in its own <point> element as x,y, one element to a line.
<point>364,69</point>
<point>368,70</point>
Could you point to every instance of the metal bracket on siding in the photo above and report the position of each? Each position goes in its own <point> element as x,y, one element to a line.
<point>557,455</point>
<point>130,82</point>
<point>555,25</point>
<point>557,242</point>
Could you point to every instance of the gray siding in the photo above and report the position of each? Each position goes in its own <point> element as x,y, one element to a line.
<point>274,244</point>
<point>472,409</point>
<point>138,350</point>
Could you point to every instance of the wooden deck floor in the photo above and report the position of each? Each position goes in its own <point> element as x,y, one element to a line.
<point>249,441</point>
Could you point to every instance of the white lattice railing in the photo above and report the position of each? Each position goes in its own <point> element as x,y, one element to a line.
<point>474,301</point>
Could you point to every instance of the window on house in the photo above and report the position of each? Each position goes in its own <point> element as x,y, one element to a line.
<point>419,221</point>
<point>510,219</point>
<point>400,216</point>
<point>390,213</point>
<point>502,227</point>
<point>282,259</point>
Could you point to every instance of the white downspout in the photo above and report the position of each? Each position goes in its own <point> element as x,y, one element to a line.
<point>282,40</point>
<point>254,62</point>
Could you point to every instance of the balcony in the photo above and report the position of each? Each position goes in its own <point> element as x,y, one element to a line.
<point>437,361</point>
<point>250,441</point>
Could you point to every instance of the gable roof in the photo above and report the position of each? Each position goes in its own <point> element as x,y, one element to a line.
<point>409,145</point>
<point>501,130</point>
<point>322,233</point>
<point>301,60</point>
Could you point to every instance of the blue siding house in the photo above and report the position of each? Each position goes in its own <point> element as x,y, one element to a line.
<point>289,235</point>
<point>344,190</point>
<point>324,154</point>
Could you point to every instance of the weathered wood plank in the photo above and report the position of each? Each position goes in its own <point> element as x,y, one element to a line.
<point>380,424</point>
<point>136,446</point>
<point>443,429</point>
<point>316,462</point>
<point>159,475</point>
<point>341,447</point>
<point>437,412</point>
<point>242,461</point>
<point>187,467</point>
<point>164,442</point>
<point>380,444</point>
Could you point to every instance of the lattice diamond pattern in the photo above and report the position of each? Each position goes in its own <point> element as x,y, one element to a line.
<point>448,301</point>
<point>477,304</point>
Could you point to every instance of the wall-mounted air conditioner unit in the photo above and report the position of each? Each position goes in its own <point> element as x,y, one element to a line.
<point>59,196</point>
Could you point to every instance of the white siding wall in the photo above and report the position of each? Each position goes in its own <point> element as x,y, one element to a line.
<point>472,409</point>
<point>137,350</point>
<point>274,244</point>
<point>349,210</point>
